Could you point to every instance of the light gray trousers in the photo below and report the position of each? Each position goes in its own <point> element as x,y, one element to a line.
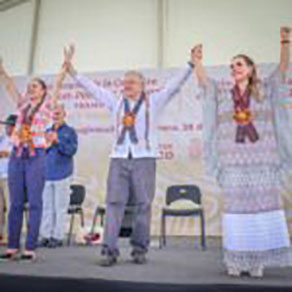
<point>56,200</point>
<point>135,176</point>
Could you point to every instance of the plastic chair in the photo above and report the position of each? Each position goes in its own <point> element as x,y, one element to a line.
<point>179,192</point>
<point>75,207</point>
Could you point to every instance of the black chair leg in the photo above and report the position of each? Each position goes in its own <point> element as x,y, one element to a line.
<point>164,230</point>
<point>203,235</point>
<point>82,218</point>
<point>70,229</point>
<point>161,232</point>
<point>94,221</point>
<point>102,219</point>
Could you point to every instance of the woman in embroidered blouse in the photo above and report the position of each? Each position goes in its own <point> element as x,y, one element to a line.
<point>26,165</point>
<point>243,143</point>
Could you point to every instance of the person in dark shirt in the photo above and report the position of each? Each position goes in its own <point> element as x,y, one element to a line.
<point>62,146</point>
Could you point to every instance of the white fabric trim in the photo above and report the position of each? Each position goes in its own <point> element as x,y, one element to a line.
<point>255,232</point>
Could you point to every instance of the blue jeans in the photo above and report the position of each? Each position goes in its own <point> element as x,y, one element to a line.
<point>26,178</point>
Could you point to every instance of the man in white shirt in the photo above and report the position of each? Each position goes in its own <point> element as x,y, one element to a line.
<point>5,149</point>
<point>133,156</point>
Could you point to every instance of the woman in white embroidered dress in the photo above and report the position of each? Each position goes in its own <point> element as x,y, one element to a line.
<point>243,142</point>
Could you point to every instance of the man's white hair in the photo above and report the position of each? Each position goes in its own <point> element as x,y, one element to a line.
<point>139,75</point>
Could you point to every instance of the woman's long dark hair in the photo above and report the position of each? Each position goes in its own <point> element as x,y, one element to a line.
<point>253,81</point>
<point>42,84</point>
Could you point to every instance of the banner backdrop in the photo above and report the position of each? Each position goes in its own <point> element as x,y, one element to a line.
<point>180,145</point>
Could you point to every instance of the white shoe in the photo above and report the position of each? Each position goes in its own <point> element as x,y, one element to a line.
<point>257,272</point>
<point>233,272</point>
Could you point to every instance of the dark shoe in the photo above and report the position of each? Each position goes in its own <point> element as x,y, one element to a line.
<point>6,257</point>
<point>107,260</point>
<point>44,242</point>
<point>28,257</point>
<point>54,243</point>
<point>139,258</point>
<point>59,243</point>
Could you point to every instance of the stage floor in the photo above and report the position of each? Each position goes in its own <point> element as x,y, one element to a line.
<point>178,263</point>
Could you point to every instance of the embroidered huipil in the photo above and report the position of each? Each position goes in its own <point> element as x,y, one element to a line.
<point>40,121</point>
<point>249,171</point>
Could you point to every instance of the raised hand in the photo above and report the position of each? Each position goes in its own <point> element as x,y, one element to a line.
<point>2,71</point>
<point>68,55</point>
<point>285,34</point>
<point>197,58</point>
<point>9,84</point>
<point>197,54</point>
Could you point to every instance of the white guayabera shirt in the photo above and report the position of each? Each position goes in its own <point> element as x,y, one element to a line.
<point>156,102</point>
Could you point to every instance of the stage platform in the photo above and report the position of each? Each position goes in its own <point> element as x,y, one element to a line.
<point>180,266</point>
